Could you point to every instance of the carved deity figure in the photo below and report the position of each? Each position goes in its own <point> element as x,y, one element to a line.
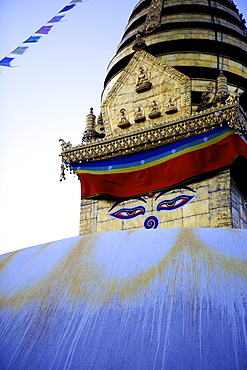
<point>143,82</point>
<point>171,107</point>
<point>65,145</point>
<point>142,77</point>
<point>232,98</point>
<point>123,119</point>
<point>155,112</point>
<point>139,115</point>
<point>207,97</point>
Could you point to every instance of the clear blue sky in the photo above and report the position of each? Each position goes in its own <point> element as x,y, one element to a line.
<point>47,98</point>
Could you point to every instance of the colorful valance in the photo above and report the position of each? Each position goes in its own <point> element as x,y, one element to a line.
<point>161,168</point>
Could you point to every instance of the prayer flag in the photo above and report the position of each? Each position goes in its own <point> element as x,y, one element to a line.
<point>20,50</point>
<point>55,19</point>
<point>44,30</point>
<point>32,39</point>
<point>5,62</point>
<point>66,8</point>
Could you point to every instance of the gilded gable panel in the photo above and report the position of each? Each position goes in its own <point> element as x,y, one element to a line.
<point>147,93</point>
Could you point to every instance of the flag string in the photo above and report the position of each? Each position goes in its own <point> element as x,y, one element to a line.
<point>44,30</point>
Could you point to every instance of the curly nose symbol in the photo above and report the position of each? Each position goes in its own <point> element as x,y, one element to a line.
<point>151,222</point>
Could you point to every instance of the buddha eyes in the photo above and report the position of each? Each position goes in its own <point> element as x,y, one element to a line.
<point>164,205</point>
<point>177,202</point>
<point>128,213</point>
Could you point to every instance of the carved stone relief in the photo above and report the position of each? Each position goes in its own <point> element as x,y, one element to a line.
<point>123,119</point>
<point>143,83</point>
<point>214,97</point>
<point>148,83</point>
<point>154,110</point>
<point>171,106</point>
<point>139,115</point>
<point>153,16</point>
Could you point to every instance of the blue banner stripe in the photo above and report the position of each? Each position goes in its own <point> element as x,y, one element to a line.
<point>151,155</point>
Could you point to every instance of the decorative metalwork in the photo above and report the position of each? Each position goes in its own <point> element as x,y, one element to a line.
<point>171,107</point>
<point>214,98</point>
<point>142,83</point>
<point>139,115</point>
<point>161,134</point>
<point>89,133</point>
<point>153,18</point>
<point>155,111</point>
<point>139,42</point>
<point>143,59</point>
<point>123,119</point>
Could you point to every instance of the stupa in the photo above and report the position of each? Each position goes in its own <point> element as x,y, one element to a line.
<point>173,113</point>
<point>157,277</point>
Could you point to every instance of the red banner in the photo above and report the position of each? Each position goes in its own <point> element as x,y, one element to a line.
<point>164,175</point>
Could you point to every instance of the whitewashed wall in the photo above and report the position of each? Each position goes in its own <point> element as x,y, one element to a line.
<point>144,299</point>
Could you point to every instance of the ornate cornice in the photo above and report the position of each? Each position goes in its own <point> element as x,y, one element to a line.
<point>158,135</point>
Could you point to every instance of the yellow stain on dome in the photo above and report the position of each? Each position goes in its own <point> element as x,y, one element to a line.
<point>6,258</point>
<point>78,278</point>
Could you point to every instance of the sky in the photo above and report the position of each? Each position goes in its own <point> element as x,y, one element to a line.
<point>46,97</point>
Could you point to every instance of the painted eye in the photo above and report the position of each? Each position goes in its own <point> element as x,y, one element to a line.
<point>177,202</point>
<point>128,213</point>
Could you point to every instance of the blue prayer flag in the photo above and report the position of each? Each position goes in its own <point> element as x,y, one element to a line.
<point>44,30</point>
<point>66,8</point>
<point>5,62</point>
<point>32,39</point>
<point>55,19</point>
<point>20,50</point>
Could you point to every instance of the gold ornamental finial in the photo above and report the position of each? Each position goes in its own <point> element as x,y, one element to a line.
<point>139,42</point>
<point>222,87</point>
<point>89,133</point>
<point>90,120</point>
